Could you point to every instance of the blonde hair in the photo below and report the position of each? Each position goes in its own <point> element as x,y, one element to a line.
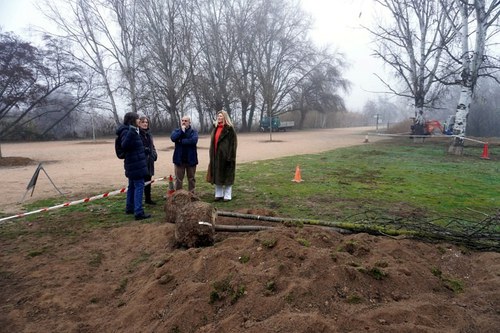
<point>227,120</point>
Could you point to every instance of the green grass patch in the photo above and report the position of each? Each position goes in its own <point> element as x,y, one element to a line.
<point>225,289</point>
<point>354,299</point>
<point>244,258</point>
<point>269,243</point>
<point>375,272</point>
<point>270,287</point>
<point>455,285</point>
<point>304,242</point>
<point>392,180</point>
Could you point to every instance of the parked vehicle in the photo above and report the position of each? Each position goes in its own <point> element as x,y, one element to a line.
<point>433,127</point>
<point>276,123</point>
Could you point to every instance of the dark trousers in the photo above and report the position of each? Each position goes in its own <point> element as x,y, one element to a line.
<point>180,171</point>
<point>147,189</point>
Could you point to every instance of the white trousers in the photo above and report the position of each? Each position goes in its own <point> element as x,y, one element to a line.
<point>222,191</point>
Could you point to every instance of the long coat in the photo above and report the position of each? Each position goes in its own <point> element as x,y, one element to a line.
<point>149,149</point>
<point>222,167</point>
<point>135,157</point>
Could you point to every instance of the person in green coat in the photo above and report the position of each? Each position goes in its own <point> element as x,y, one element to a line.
<point>222,166</point>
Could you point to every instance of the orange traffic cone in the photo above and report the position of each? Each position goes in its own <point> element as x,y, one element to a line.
<point>297,177</point>
<point>485,152</point>
<point>171,189</point>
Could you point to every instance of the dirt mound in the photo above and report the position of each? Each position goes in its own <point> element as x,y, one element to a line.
<point>15,161</point>
<point>288,279</point>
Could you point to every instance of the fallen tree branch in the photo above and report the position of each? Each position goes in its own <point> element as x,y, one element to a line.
<point>284,220</point>
<point>480,235</point>
<point>240,228</point>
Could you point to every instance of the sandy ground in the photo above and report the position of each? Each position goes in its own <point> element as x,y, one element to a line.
<point>85,168</point>
<point>59,276</point>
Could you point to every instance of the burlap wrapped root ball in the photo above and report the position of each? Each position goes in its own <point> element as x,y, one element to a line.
<point>188,231</point>
<point>175,202</point>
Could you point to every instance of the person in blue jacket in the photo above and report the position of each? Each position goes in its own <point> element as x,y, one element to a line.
<point>134,163</point>
<point>185,156</point>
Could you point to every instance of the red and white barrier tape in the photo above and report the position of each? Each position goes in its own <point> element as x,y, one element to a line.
<point>72,203</point>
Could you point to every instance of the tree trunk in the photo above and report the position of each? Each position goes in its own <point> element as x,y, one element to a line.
<point>418,129</point>
<point>471,62</point>
<point>457,145</point>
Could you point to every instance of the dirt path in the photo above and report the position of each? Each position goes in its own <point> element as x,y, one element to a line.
<point>86,168</point>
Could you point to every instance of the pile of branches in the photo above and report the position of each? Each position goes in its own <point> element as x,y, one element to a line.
<point>481,234</point>
<point>474,230</point>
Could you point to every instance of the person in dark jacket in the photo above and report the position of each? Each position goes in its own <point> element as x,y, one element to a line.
<point>134,164</point>
<point>151,156</point>
<point>222,166</point>
<point>185,156</point>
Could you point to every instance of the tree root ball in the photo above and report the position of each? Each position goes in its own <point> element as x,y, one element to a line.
<point>185,210</point>
<point>188,231</point>
<point>175,202</point>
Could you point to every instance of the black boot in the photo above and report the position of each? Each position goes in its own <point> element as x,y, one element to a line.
<point>147,194</point>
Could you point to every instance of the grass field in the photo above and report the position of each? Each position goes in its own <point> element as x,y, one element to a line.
<point>388,177</point>
<point>392,185</point>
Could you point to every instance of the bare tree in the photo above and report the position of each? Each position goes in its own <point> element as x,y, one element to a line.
<point>87,24</point>
<point>412,45</point>
<point>164,61</point>
<point>17,78</point>
<point>18,60</point>
<point>32,78</point>
<point>282,53</point>
<point>320,89</point>
<point>172,56</point>
<point>472,60</point>
<point>217,54</point>
<point>244,74</point>
<point>125,47</point>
